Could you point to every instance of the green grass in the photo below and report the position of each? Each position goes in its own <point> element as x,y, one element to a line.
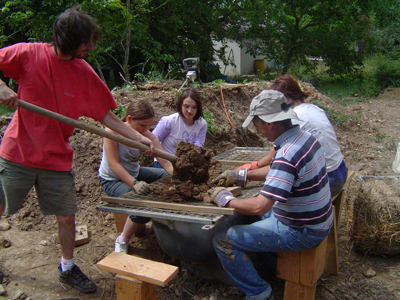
<point>379,72</point>
<point>336,117</point>
<point>341,90</point>
<point>391,145</point>
<point>379,137</point>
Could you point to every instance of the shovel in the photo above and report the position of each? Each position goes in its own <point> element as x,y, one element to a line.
<point>101,132</point>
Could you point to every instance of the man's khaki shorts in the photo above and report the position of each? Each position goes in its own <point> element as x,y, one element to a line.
<point>55,190</point>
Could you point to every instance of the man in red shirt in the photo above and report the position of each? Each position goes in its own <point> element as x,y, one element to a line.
<point>35,150</point>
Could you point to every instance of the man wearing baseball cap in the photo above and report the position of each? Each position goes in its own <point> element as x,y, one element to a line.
<point>293,210</point>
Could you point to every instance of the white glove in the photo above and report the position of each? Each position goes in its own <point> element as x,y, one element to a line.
<point>229,178</point>
<point>220,196</point>
<point>142,187</point>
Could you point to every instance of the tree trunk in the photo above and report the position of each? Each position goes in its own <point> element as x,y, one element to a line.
<point>288,59</point>
<point>98,66</point>
<point>125,66</point>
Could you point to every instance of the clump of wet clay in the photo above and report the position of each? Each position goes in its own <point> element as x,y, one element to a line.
<point>190,180</point>
<point>168,189</point>
<point>193,163</point>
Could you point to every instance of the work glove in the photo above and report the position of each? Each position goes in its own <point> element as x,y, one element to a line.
<point>142,188</point>
<point>229,178</point>
<point>252,166</point>
<point>220,196</point>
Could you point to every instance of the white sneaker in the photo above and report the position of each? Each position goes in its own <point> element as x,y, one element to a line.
<point>121,247</point>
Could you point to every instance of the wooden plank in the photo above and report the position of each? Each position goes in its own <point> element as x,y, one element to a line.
<point>350,176</point>
<point>81,235</point>
<point>312,264</point>
<point>288,266</point>
<point>128,288</point>
<point>139,268</point>
<point>235,190</point>
<point>234,85</point>
<point>120,220</point>
<point>304,266</point>
<point>296,291</point>
<point>174,206</point>
<point>332,258</point>
<point>331,262</point>
<point>234,162</point>
<point>337,205</point>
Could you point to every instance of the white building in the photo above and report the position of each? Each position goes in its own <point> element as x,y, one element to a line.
<point>245,63</point>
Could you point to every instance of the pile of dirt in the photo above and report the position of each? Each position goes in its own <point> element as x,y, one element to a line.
<point>169,189</point>
<point>194,172</point>
<point>193,163</point>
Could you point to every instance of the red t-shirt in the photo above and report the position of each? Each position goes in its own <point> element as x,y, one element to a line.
<point>70,88</point>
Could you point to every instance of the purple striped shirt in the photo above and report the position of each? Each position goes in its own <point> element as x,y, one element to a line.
<point>298,181</point>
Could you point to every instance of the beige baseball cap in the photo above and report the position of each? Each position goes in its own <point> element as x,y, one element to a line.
<point>270,106</point>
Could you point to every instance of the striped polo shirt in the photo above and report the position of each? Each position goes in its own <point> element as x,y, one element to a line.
<point>298,181</point>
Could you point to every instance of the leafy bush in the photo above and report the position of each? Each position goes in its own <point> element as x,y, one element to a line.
<point>211,128</point>
<point>120,111</point>
<point>386,72</point>
<point>380,72</point>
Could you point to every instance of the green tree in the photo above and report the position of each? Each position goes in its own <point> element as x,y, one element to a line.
<point>124,29</point>
<point>27,20</point>
<point>160,33</point>
<point>189,29</point>
<point>386,30</point>
<point>288,31</point>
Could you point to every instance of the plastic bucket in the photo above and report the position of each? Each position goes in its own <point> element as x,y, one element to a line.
<point>259,65</point>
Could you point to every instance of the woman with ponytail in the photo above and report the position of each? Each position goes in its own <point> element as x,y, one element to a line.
<point>314,120</point>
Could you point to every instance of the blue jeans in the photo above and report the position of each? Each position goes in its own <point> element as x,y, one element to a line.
<point>157,165</point>
<point>258,234</point>
<point>337,179</point>
<point>118,188</point>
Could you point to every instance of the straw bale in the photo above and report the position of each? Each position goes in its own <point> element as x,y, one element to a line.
<point>373,214</point>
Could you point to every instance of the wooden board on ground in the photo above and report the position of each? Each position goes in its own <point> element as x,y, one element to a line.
<point>174,206</point>
<point>136,267</point>
<point>234,85</point>
<point>81,235</point>
<point>236,163</point>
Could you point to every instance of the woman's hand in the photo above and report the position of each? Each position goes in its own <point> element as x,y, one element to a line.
<point>149,141</point>
<point>152,147</point>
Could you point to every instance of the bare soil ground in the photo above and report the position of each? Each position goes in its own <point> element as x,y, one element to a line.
<point>368,135</point>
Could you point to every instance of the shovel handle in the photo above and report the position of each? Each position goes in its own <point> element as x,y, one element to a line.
<point>93,129</point>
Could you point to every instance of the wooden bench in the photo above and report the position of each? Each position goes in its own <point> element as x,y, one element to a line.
<point>137,278</point>
<point>302,269</point>
<point>332,258</point>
